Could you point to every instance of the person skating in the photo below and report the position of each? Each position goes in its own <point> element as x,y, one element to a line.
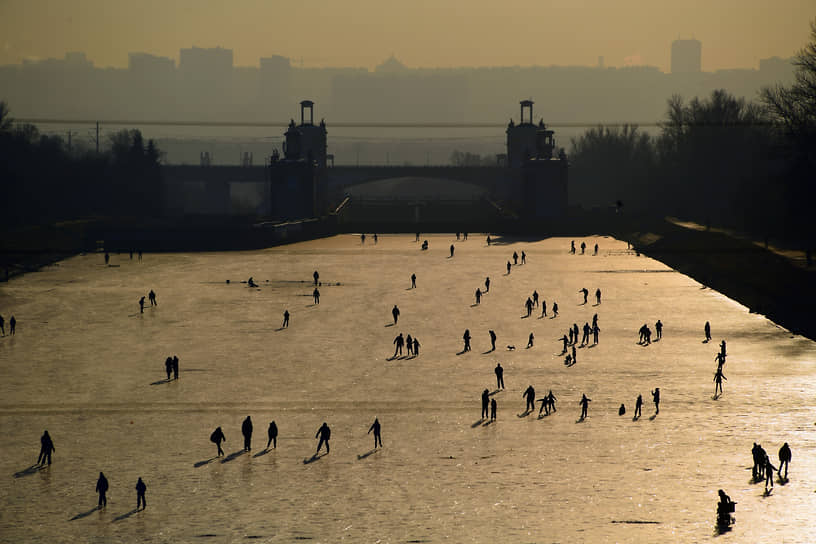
<point>707,331</point>
<point>551,400</point>
<point>272,433</point>
<point>523,258</point>
<point>508,268</point>
<point>492,409</point>
<point>485,402</point>
<point>597,296</point>
<point>140,494</point>
<point>515,258</point>
<point>451,250</point>
<point>659,329</point>
<point>285,319</point>
<point>499,376</point>
<point>656,399</point>
<point>413,281</point>
<point>555,309</point>
<point>47,446</point>
<point>246,430</point>
<point>478,295</point>
<point>565,340</point>
<point>316,295</point>
<point>585,292</point>
<point>784,460</point>
<point>529,394</point>
<point>529,305</point>
<point>487,284</point>
<point>102,489</point>
<point>151,296</point>
<point>492,340</point>
<point>543,308</point>
<point>399,342</point>
<point>584,402</point>
<point>141,305</point>
<point>377,436</point>
<point>466,338</point>
<point>316,277</point>
<point>217,437</point>
<point>718,378</point>
<point>324,433</point>
<point>638,406</point>
<point>769,470</point>
<point>395,313</point>
<point>530,341</point>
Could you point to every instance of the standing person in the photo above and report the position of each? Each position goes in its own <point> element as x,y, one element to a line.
<point>499,376</point>
<point>47,446</point>
<point>492,340</point>
<point>395,313</point>
<point>584,402</point>
<point>515,258</point>
<point>464,235</point>
<point>659,329</point>
<point>140,494</point>
<point>217,437</point>
<point>656,399</point>
<point>718,378</point>
<point>535,298</point>
<point>168,366</point>
<point>598,296</point>
<point>175,367</point>
<point>508,268</point>
<point>638,406</point>
<point>141,305</point>
<point>529,394</point>
<point>488,240</point>
<point>565,340</point>
<point>487,284</point>
<point>485,402</point>
<point>409,345</point>
<point>413,281</point>
<point>102,489</point>
<point>596,250</point>
<point>595,331</point>
<point>362,238</point>
<point>466,338</point>
<point>416,347</point>
<point>377,436</point>
<point>493,409</point>
<point>107,258</point>
<point>585,336</point>
<point>285,319</point>
<point>543,308</point>
<point>551,400</point>
<point>530,341</point>
<point>478,295</point>
<point>272,433</point>
<point>376,238</point>
<point>417,237</point>
<point>246,430</point>
<point>151,296</point>
<point>316,296</point>
<point>529,305</point>
<point>316,277</point>
<point>324,433</point>
<point>707,330</point>
<point>399,342</point>
<point>583,247</point>
<point>784,460</point>
<point>523,258</point>
<point>574,355</point>
<point>555,309</point>
<point>451,250</point>
<point>769,470</point>
<point>572,247</point>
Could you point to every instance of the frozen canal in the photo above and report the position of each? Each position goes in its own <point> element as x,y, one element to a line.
<point>87,366</point>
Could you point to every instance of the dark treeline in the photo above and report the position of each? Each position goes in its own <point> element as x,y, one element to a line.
<point>43,180</point>
<point>718,160</point>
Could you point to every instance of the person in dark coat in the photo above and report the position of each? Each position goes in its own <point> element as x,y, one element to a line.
<point>218,436</point>
<point>377,436</point>
<point>324,432</point>
<point>175,367</point>
<point>102,489</point>
<point>47,446</point>
<point>272,432</point>
<point>246,430</point>
<point>485,402</point>
<point>168,366</point>
<point>584,402</point>
<point>499,376</point>
<point>784,459</point>
<point>140,494</point>
<point>529,394</point>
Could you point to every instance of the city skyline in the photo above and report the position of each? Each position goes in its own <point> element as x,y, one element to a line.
<point>521,33</point>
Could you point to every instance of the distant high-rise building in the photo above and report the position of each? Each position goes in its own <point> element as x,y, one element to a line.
<point>686,56</point>
<point>146,66</point>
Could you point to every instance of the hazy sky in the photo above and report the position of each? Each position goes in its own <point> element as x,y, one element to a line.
<point>421,33</point>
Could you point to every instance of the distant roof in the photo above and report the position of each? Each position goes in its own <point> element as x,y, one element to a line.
<point>409,188</point>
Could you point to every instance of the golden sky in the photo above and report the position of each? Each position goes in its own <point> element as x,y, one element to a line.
<point>421,33</point>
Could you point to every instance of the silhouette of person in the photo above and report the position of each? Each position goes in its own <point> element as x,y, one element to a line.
<point>413,281</point>
<point>107,258</point>
<point>316,277</point>
<point>583,247</point>
<point>535,298</point>
<point>376,238</point>
<point>466,338</point>
<point>140,494</point>
<point>451,250</point>
<point>659,329</point>
<point>102,489</point>
<point>246,430</point>
<point>572,247</point>
<point>638,406</point>
<point>2,327</point>
<point>543,308</point>
<point>523,258</point>
<point>584,402</point>
<point>151,296</point>
<point>622,409</point>
<point>395,313</point>
<point>707,330</point>
<point>175,367</point>
<point>217,437</point>
<point>425,244</point>
<point>551,400</point>
<point>784,460</point>
<point>324,433</point>
<point>487,284</point>
<point>141,305</point>
<point>399,342</point>
<point>251,282</point>
<point>584,291</point>
<point>529,394</point>
<point>597,296</point>
<point>409,344</point>
<point>362,238</point>
<point>585,336</point>
<point>168,366</point>
<point>499,370</point>
<point>724,509</point>
<point>515,258</point>
<point>508,267</point>
<point>574,355</point>
<point>565,340</point>
<point>595,331</point>
<point>272,433</point>
<point>656,399</point>
<point>758,455</point>
<point>555,309</point>
<point>720,359</point>
<point>769,470</point>
<point>485,402</point>
<point>316,295</point>
<point>530,341</point>
<point>47,446</point>
<point>722,350</point>
<point>285,319</point>
<point>718,378</point>
<point>416,347</point>
<point>457,236</point>
<point>488,240</point>
<point>529,305</point>
<point>478,295</point>
<point>464,235</point>
<point>493,409</point>
<point>492,340</point>
<point>377,436</point>
<point>596,250</point>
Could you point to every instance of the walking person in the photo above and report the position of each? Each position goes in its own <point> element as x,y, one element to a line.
<point>324,433</point>
<point>140,494</point>
<point>718,378</point>
<point>707,330</point>
<point>530,341</point>
<point>487,284</point>
<point>285,319</point>
<point>508,268</point>
<point>246,430</point>
<point>543,308</point>
<point>102,489</point>
<point>217,437</point>
<point>499,376</point>
<point>492,340</point>
<point>466,338</point>
<point>523,258</point>
<point>377,436</point>
<point>656,399</point>
<point>515,258</point>
<point>413,281</point>
<point>151,296</point>
<point>316,296</point>
<point>784,460</point>
<point>529,305</point>
<point>272,433</point>
<point>769,470</point>
<point>141,305</point>
<point>493,409</point>
<point>395,313</point>
<point>478,295</point>
<point>638,406</point>
<point>47,446</point>
<point>585,292</point>
<point>584,402</point>
<point>555,309</point>
<point>399,342</point>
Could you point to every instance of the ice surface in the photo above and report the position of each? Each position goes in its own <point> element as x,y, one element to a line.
<point>87,366</point>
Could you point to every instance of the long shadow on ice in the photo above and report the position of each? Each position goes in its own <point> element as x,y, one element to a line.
<point>205,462</point>
<point>162,381</point>
<point>85,514</point>
<point>126,515</point>
<point>261,453</point>
<point>233,455</point>
<point>366,454</point>
<point>313,458</point>
<point>33,469</point>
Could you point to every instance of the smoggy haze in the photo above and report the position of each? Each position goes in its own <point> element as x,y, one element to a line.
<point>421,33</point>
